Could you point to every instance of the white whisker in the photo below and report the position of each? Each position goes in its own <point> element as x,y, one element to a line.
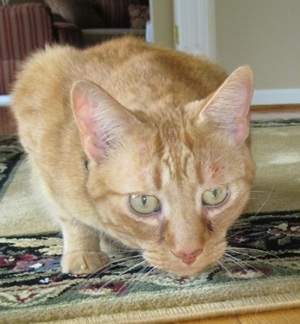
<point>243,264</point>
<point>228,272</point>
<point>265,202</point>
<point>142,275</point>
<point>246,249</point>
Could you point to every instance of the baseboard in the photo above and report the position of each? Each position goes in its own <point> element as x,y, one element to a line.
<point>260,97</point>
<point>276,96</point>
<point>4,101</point>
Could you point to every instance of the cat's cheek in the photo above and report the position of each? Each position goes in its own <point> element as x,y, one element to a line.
<point>133,230</point>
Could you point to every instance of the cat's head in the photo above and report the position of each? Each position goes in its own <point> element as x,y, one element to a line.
<point>173,187</point>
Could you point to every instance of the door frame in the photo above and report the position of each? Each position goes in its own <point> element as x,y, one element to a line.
<point>195,27</point>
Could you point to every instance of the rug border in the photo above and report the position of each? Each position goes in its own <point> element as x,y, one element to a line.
<point>282,300</point>
<point>183,313</point>
<point>194,312</point>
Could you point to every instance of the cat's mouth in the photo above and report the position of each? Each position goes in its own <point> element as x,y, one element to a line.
<point>180,267</point>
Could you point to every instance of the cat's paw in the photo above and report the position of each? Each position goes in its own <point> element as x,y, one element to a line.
<point>83,262</point>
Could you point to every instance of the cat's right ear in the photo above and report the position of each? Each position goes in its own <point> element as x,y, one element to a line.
<point>101,120</point>
<point>228,108</point>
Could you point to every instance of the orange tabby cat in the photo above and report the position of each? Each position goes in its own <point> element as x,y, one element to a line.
<point>126,140</point>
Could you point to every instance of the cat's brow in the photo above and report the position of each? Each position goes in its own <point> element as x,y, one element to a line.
<point>175,157</point>
<point>157,177</point>
<point>158,151</point>
<point>179,163</point>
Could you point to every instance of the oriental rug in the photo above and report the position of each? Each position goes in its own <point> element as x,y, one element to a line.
<point>260,270</point>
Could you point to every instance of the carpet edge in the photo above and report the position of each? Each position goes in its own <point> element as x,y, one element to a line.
<point>281,300</point>
<point>186,313</point>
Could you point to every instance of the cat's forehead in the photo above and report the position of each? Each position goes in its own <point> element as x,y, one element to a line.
<point>174,159</point>
<point>189,157</point>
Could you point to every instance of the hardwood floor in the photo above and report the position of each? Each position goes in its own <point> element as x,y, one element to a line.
<point>7,123</point>
<point>285,316</point>
<point>289,316</point>
<point>275,112</point>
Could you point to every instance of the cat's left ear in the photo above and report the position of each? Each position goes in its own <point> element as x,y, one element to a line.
<point>228,108</point>
<point>103,122</point>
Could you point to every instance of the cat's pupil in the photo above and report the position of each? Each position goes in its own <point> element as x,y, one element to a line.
<point>86,165</point>
<point>215,192</point>
<point>144,200</point>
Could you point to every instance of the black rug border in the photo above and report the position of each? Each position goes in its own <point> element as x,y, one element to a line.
<point>278,122</point>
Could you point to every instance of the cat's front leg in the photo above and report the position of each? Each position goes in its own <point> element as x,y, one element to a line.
<point>82,252</point>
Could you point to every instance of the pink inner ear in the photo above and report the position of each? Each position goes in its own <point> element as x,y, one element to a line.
<point>92,148</point>
<point>229,106</point>
<point>240,129</point>
<point>83,110</point>
<point>102,121</point>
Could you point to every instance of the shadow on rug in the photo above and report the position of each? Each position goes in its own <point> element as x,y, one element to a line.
<point>10,153</point>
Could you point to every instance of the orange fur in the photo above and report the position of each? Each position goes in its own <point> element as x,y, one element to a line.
<point>148,120</point>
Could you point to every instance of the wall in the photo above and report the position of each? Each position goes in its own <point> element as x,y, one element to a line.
<point>161,12</point>
<point>264,34</point>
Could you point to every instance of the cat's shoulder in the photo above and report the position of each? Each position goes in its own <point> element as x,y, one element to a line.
<point>46,58</point>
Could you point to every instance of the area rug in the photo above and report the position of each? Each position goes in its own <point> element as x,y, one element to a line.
<point>260,270</point>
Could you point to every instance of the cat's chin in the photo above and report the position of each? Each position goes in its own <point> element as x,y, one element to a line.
<point>182,269</point>
<point>186,271</point>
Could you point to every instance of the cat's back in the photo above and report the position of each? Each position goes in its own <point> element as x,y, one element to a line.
<point>124,67</point>
<point>148,77</point>
<point>139,75</point>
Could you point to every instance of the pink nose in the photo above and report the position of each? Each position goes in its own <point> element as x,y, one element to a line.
<point>187,257</point>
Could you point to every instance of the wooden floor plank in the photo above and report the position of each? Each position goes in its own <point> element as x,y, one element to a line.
<point>7,123</point>
<point>275,108</point>
<point>284,316</point>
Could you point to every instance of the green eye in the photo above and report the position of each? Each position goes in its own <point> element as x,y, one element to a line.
<point>214,197</point>
<point>144,204</point>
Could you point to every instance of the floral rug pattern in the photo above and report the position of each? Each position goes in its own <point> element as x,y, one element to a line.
<point>261,246</point>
